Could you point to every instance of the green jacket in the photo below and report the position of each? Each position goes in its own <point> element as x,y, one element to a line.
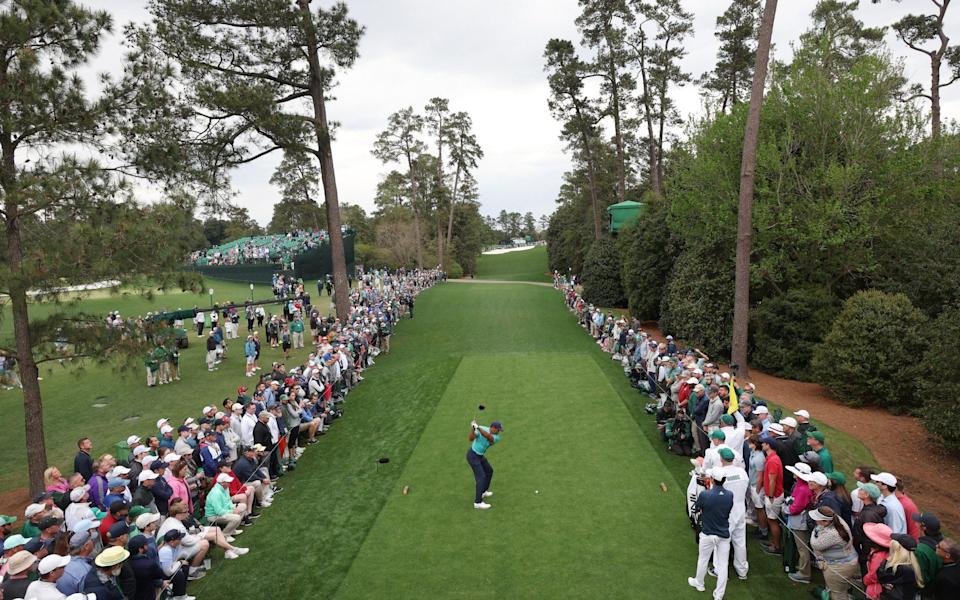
<point>29,530</point>
<point>218,502</point>
<point>826,460</point>
<point>930,563</point>
<point>297,326</point>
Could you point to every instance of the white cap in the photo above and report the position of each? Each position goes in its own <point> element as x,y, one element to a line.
<point>745,425</point>
<point>237,407</point>
<point>33,510</point>
<point>148,460</point>
<point>145,519</point>
<point>207,409</point>
<point>800,469</point>
<point>816,477</point>
<point>161,423</point>
<point>140,449</point>
<point>77,493</point>
<point>693,381</point>
<point>761,410</point>
<point>885,478</point>
<point>789,422</point>
<point>133,439</point>
<point>224,478</point>
<point>802,413</point>
<point>218,416</point>
<point>669,337</point>
<point>716,473</point>
<point>146,475</point>
<point>166,429</point>
<point>80,596</point>
<point>777,428</point>
<point>189,421</point>
<point>724,375</point>
<point>698,371</point>
<point>51,563</point>
<point>171,457</point>
<point>85,525</point>
<point>119,470</point>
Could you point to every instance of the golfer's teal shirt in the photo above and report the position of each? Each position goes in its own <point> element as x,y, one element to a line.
<point>480,444</point>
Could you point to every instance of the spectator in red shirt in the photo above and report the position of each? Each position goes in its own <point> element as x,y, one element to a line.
<point>772,493</point>
<point>240,494</point>
<point>909,511</point>
<point>118,512</point>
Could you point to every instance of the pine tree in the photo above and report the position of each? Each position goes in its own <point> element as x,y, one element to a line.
<point>736,29</point>
<point>248,78</point>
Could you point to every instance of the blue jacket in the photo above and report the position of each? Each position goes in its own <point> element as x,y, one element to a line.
<point>210,463</point>
<point>250,348</point>
<point>700,404</point>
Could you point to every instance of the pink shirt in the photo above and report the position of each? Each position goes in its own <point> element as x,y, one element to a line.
<point>874,589</point>
<point>180,489</point>
<point>802,498</point>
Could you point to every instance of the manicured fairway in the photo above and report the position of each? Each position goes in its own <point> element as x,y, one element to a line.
<point>600,527</point>
<point>523,265</point>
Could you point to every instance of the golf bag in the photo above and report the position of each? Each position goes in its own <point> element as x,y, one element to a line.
<point>697,484</point>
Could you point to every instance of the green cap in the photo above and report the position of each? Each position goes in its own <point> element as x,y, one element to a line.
<point>817,435</point>
<point>727,420</point>
<point>871,489</point>
<point>716,434</point>
<point>726,454</point>
<point>837,477</point>
<point>136,511</point>
<point>7,520</point>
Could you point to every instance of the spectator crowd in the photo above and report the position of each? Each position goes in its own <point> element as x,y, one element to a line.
<point>144,522</point>
<point>863,534</point>
<point>279,249</point>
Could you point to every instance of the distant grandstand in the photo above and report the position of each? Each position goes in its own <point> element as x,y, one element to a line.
<point>305,254</point>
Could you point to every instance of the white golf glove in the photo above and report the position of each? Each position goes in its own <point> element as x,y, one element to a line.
<point>473,424</point>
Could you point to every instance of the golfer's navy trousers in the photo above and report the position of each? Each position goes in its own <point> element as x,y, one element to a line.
<point>482,473</point>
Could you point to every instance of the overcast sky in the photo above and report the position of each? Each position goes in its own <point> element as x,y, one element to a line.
<point>486,57</point>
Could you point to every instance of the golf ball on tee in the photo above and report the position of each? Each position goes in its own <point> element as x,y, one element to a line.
<point>536,492</point>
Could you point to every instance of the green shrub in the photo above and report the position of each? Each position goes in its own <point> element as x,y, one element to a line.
<point>939,384</point>
<point>454,270</point>
<point>646,257</point>
<point>601,275</point>
<point>697,305</point>
<point>786,328</point>
<point>870,354</point>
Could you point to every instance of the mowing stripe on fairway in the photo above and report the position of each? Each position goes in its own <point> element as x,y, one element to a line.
<point>568,436</point>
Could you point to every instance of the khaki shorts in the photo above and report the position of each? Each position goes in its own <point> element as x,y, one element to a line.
<point>773,506</point>
<point>755,499</point>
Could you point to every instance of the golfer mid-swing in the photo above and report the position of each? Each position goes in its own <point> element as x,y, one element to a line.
<point>481,439</point>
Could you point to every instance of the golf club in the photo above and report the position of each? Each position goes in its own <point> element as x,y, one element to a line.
<point>480,408</point>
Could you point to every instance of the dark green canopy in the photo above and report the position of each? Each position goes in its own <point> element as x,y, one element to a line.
<point>623,213</point>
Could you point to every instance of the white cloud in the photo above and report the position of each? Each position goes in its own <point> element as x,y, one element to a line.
<point>486,57</point>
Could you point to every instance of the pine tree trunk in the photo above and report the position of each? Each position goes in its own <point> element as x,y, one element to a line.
<point>935,125</point>
<point>418,235</point>
<point>453,204</point>
<point>652,157</point>
<point>741,296</point>
<point>594,199</point>
<point>32,405</point>
<point>618,135</point>
<point>327,173</point>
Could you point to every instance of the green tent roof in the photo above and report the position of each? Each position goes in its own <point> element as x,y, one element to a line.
<point>623,213</point>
